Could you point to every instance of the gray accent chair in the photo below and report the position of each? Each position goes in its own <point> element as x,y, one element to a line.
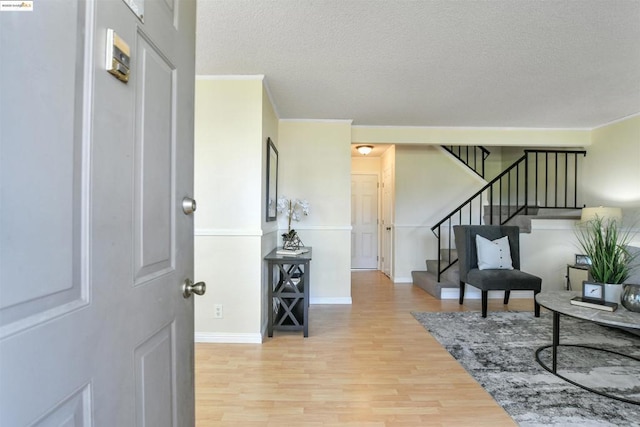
<point>492,280</point>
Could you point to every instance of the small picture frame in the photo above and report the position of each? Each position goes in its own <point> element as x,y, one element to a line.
<point>583,260</point>
<point>593,291</point>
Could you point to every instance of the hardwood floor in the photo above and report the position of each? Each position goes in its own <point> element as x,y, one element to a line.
<point>368,364</point>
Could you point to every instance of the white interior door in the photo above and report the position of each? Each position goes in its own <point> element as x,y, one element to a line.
<point>94,244</point>
<point>364,221</point>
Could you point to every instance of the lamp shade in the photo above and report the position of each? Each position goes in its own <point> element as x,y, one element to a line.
<point>364,149</point>
<point>604,213</point>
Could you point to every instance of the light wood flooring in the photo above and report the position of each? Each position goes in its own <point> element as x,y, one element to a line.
<point>367,364</point>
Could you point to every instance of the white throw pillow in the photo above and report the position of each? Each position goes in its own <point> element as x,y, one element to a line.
<point>494,254</point>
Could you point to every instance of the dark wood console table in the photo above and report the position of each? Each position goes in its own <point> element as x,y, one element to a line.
<point>288,277</point>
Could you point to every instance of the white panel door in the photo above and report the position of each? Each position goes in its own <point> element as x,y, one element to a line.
<point>364,221</point>
<point>94,245</point>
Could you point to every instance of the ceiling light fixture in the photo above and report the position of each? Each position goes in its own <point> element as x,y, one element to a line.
<point>364,149</point>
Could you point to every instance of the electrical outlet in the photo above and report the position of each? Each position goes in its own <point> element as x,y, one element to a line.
<point>217,311</point>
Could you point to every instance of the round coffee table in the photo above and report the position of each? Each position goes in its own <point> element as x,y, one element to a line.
<point>558,302</point>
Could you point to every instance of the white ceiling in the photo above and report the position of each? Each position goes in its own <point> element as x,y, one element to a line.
<point>501,63</point>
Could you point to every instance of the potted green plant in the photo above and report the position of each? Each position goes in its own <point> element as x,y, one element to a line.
<point>605,243</point>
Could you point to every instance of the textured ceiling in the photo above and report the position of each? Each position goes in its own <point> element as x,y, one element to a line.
<point>534,64</point>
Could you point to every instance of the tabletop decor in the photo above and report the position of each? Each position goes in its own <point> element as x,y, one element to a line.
<point>605,243</point>
<point>294,209</point>
<point>631,297</point>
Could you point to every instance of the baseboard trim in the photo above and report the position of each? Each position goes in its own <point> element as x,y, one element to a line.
<point>227,338</point>
<point>454,293</point>
<point>400,280</point>
<point>322,300</point>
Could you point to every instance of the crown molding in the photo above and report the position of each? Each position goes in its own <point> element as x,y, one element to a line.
<point>474,128</point>
<point>623,119</point>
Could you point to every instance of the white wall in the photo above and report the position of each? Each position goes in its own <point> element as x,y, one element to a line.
<point>366,165</point>
<point>315,164</point>
<point>510,155</point>
<point>547,250</point>
<point>229,189</point>
<point>269,229</point>
<point>494,164</point>
<point>612,167</point>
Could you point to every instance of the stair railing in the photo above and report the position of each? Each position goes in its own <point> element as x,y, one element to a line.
<point>473,156</point>
<point>538,179</point>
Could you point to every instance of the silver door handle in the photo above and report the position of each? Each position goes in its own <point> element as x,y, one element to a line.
<point>189,288</point>
<point>188,205</point>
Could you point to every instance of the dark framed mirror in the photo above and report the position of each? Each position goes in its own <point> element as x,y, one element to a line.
<point>272,180</point>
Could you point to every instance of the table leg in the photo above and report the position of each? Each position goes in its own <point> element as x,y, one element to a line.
<point>556,339</point>
<point>305,317</point>
<point>270,299</point>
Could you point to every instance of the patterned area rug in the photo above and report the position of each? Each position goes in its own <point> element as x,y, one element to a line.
<point>499,352</point>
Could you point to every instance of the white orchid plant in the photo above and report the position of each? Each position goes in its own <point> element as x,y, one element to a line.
<point>294,209</point>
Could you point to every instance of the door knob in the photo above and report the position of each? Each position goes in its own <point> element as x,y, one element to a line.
<point>188,288</point>
<point>188,205</point>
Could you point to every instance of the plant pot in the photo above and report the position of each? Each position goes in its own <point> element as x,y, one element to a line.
<point>291,241</point>
<point>612,292</point>
<point>631,297</point>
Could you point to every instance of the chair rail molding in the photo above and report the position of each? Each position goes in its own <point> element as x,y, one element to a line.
<point>228,232</point>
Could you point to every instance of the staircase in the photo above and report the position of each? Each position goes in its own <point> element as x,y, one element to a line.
<point>542,184</point>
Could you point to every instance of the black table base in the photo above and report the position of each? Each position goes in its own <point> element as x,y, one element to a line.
<point>554,364</point>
